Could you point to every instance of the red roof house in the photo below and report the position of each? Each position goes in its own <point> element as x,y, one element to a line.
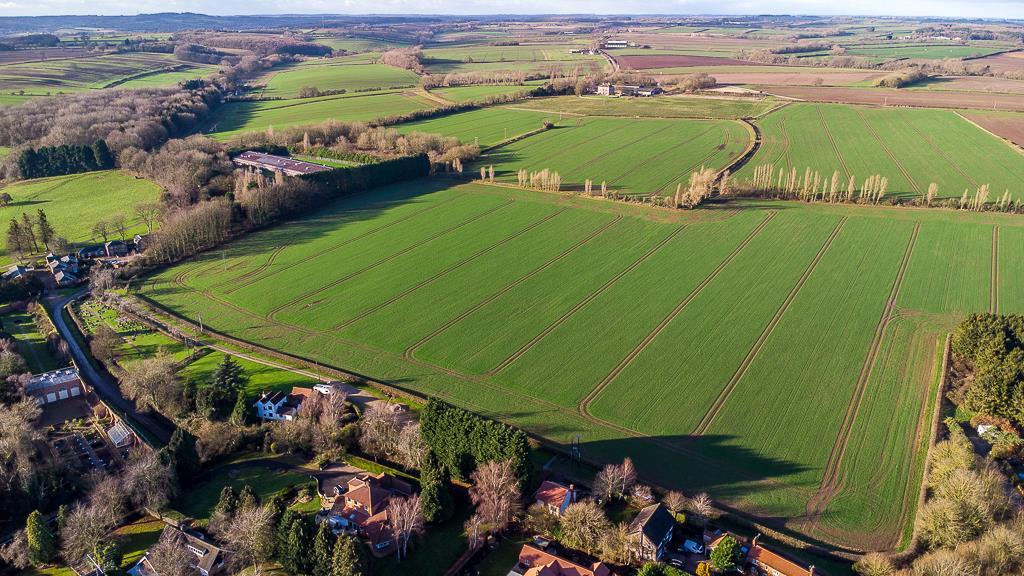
<point>535,562</point>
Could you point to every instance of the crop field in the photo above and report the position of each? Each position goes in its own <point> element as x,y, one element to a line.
<point>912,148</point>
<point>501,54</point>
<point>472,93</point>
<point>327,75</point>
<point>661,107</point>
<point>357,43</point>
<point>486,126</point>
<point>77,74</point>
<point>634,156</point>
<point>701,338</point>
<point>922,51</point>
<point>74,203</point>
<point>161,79</point>
<point>235,118</point>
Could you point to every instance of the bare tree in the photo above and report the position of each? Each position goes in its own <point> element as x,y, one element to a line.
<point>606,482</point>
<point>406,520</point>
<point>627,476</point>
<point>102,229</point>
<point>169,556</point>
<point>474,526</point>
<point>250,536</point>
<point>148,212</point>
<point>15,552</point>
<point>495,493</point>
<point>119,224</point>
<point>379,429</point>
<point>583,524</point>
<point>874,564</point>
<point>410,449</point>
<point>18,435</point>
<point>148,483</point>
<point>152,383</point>
<point>615,546</point>
<point>85,525</point>
<point>702,507</point>
<point>675,501</point>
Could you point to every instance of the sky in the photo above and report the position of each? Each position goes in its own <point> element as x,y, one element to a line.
<point>949,8</point>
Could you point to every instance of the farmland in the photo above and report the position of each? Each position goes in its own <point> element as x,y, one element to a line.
<point>472,93</point>
<point>912,148</point>
<point>486,126</point>
<point>74,203</point>
<point>325,75</point>
<point>595,301</point>
<point>667,107</point>
<point>77,74</point>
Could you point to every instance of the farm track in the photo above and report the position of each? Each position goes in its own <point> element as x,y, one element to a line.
<point>832,483</point>
<point>271,315</point>
<point>993,305</point>
<point>584,404</point>
<point>410,351</point>
<point>446,271</point>
<point>942,153</point>
<point>249,281</point>
<point>888,152</point>
<point>832,141</point>
<point>755,349</point>
<point>582,303</point>
<point>726,140</point>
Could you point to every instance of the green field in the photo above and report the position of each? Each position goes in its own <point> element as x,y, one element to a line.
<point>31,343</point>
<point>486,126</point>
<point>634,156</point>
<point>268,476</point>
<point>661,107</point>
<point>695,342</point>
<point>262,378</point>
<point>327,75</point>
<point>74,203</point>
<point>77,74</point>
<point>357,43</point>
<point>236,118</point>
<point>922,51</point>
<point>910,147</point>
<point>473,93</point>
<point>172,78</point>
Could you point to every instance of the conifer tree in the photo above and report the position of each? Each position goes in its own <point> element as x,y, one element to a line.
<point>323,550</point>
<point>348,558</point>
<point>46,232</point>
<point>42,543</point>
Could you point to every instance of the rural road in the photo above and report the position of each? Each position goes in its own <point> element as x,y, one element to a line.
<point>104,384</point>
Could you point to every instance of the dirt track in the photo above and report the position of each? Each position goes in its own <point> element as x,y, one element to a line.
<point>895,97</point>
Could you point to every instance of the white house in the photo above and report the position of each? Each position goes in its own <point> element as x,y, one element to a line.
<point>281,406</point>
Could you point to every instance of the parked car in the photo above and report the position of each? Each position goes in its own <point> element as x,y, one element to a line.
<point>676,563</point>
<point>691,547</point>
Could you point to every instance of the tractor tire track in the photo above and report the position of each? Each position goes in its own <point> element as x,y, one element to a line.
<point>582,303</point>
<point>657,156</point>
<point>584,404</point>
<point>446,271</point>
<point>249,281</point>
<point>606,153</point>
<point>832,141</point>
<point>942,153</point>
<point>993,305</point>
<point>271,315</point>
<point>888,152</point>
<point>726,140</point>
<point>831,482</point>
<point>408,354</point>
<point>755,349</point>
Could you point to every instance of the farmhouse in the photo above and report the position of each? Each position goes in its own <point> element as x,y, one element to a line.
<point>536,562</point>
<point>64,268</point>
<point>54,386</point>
<point>281,406</point>
<point>651,531</point>
<point>272,163</point>
<point>763,562</point>
<point>16,271</point>
<point>209,559</point>
<point>555,497</point>
<point>360,507</point>
<point>606,90</point>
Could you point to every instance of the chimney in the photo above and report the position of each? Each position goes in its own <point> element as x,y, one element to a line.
<point>753,543</point>
<point>572,493</point>
<point>811,571</point>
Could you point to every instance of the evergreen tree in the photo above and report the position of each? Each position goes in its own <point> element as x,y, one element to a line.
<point>27,230</point>
<point>348,557</point>
<point>180,454</point>
<point>284,526</point>
<point>46,231</point>
<point>435,499</point>
<point>62,516</point>
<point>15,239</point>
<point>323,545</point>
<point>299,548</point>
<point>726,555</point>
<point>229,375</point>
<point>228,502</point>
<point>214,402</point>
<point>102,157</point>
<point>108,555</point>
<point>247,498</point>
<point>42,543</point>
<point>240,414</point>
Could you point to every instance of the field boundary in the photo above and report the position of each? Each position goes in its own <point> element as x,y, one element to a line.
<point>755,349</point>
<point>748,154</point>
<point>942,153</point>
<point>584,404</point>
<point>1007,141</point>
<point>832,141</point>
<point>831,482</point>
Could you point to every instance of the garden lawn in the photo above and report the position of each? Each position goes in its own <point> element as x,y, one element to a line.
<point>31,343</point>
<point>74,203</point>
<point>262,378</point>
<point>268,476</point>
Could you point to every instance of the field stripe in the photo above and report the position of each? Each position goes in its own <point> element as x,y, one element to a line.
<point>993,305</point>
<point>446,271</point>
<point>579,306</point>
<point>584,405</point>
<point>755,349</point>
<point>885,148</point>
<point>726,139</point>
<point>835,148</point>
<point>950,161</point>
<point>497,294</point>
<point>658,156</point>
<point>271,315</point>
<point>342,244</point>
<point>830,480</point>
<point>628,144</point>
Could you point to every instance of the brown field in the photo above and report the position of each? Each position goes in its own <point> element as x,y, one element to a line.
<point>1006,62</point>
<point>1006,125</point>
<point>797,78</point>
<point>975,84</point>
<point>673,61</point>
<point>698,42</point>
<point>34,54</point>
<point>894,97</point>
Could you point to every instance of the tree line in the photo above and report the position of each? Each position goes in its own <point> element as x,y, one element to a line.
<point>28,234</point>
<point>65,159</point>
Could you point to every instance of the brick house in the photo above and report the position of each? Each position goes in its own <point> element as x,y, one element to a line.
<point>555,497</point>
<point>651,531</point>
<point>360,507</point>
<point>536,562</point>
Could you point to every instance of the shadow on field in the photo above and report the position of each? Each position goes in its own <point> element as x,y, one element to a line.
<point>229,116</point>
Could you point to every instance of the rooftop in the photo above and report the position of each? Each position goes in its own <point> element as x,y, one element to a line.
<point>62,376</point>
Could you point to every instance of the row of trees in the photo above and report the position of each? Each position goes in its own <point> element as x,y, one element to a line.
<point>28,234</point>
<point>988,350</point>
<point>460,440</point>
<point>65,159</point>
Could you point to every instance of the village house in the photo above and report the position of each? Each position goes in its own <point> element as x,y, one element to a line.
<point>280,405</point>
<point>272,163</point>
<point>763,562</point>
<point>116,248</point>
<point>16,271</point>
<point>536,562</point>
<point>360,507</point>
<point>606,90</point>
<point>651,531</point>
<point>209,558</point>
<point>64,268</point>
<point>54,386</point>
<point>616,44</point>
<point>555,497</point>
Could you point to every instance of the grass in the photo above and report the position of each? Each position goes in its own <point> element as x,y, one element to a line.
<point>633,156</point>
<point>357,43</point>
<point>473,93</point>
<point>503,559</point>
<point>655,107</point>
<point>171,78</point>
<point>439,548</point>
<point>137,537</point>
<point>31,343</point>
<point>74,203</point>
<point>261,377</point>
<point>912,148</point>
<point>621,326</point>
<point>486,126</point>
<point>327,75</point>
<point>77,74</point>
<point>235,118</point>
<point>140,341</point>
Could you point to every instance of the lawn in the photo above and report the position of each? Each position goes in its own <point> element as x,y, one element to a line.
<point>74,203</point>
<point>140,341</point>
<point>261,377</point>
<point>694,342</point>
<point>235,118</point>
<point>327,75</point>
<point>912,148</point>
<point>31,343</point>
<point>267,475</point>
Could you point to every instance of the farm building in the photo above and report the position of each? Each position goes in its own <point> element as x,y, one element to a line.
<point>536,562</point>
<point>16,271</point>
<point>616,44</point>
<point>361,508</point>
<point>606,90</point>
<point>763,562</point>
<point>54,386</point>
<point>272,163</point>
